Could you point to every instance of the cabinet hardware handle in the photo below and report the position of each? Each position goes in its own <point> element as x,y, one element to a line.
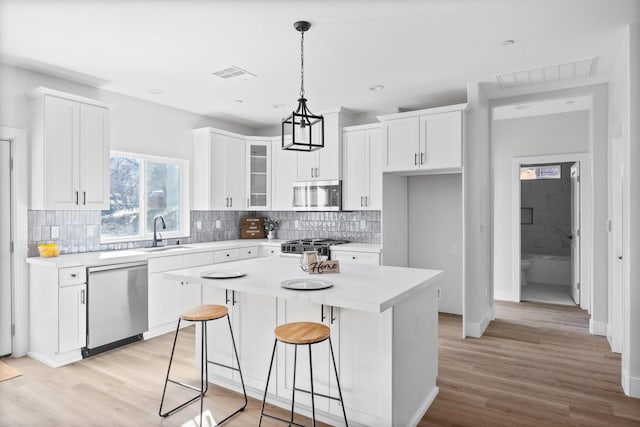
<point>226,296</point>
<point>77,197</point>
<point>74,275</point>
<point>415,159</point>
<point>361,201</point>
<point>311,172</point>
<point>84,198</point>
<point>82,298</point>
<point>228,254</point>
<point>366,200</point>
<point>226,202</point>
<point>353,257</point>
<point>421,158</point>
<point>230,202</point>
<point>333,319</point>
<point>620,257</point>
<point>322,316</point>
<point>317,172</point>
<point>233,298</point>
<point>248,202</point>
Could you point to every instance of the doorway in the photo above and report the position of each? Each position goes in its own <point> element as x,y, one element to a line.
<point>6,271</point>
<point>550,233</point>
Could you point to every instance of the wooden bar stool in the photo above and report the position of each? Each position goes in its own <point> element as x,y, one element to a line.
<point>203,314</point>
<point>297,334</point>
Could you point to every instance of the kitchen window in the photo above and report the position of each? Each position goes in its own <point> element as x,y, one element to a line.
<point>143,187</point>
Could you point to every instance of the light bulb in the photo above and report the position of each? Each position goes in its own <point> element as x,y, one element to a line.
<point>302,134</point>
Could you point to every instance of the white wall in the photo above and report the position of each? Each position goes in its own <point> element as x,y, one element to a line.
<point>435,233</point>
<point>478,297</point>
<point>395,220</point>
<point>136,125</point>
<point>624,104</point>
<point>511,138</point>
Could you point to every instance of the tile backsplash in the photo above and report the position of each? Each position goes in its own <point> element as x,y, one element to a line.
<point>79,231</point>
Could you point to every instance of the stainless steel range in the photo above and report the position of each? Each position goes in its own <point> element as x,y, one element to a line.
<point>319,245</point>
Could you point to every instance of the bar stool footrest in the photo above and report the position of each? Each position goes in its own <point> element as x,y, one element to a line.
<point>291,423</point>
<point>318,394</point>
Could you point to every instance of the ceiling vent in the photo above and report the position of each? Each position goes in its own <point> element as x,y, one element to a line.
<point>234,72</point>
<point>551,73</point>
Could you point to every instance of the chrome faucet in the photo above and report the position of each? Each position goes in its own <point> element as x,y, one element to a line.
<point>155,234</point>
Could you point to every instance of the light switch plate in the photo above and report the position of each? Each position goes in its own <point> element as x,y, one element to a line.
<point>199,225</point>
<point>218,223</point>
<point>55,232</point>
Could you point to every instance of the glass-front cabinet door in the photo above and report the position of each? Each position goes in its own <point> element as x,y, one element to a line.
<point>259,173</point>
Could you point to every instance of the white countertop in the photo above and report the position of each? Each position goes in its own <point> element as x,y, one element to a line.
<point>357,247</point>
<point>91,259</point>
<point>360,287</point>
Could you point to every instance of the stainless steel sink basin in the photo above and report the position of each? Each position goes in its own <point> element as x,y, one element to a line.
<point>164,248</point>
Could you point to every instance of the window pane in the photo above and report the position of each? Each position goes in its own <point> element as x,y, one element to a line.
<point>540,172</point>
<point>123,216</point>
<point>163,195</point>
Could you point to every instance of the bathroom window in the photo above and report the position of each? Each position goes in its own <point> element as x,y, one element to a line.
<point>540,172</point>
<point>143,187</point>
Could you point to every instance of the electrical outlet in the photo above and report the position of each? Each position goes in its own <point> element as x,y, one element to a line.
<point>218,223</point>
<point>296,224</point>
<point>454,249</point>
<point>55,232</point>
<point>199,225</point>
<point>363,225</point>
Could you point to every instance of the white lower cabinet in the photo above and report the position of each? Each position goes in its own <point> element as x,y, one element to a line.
<point>57,313</point>
<point>72,317</point>
<point>168,298</point>
<point>254,340</point>
<point>270,251</point>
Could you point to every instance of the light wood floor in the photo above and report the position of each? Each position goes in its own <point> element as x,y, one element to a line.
<point>535,365</point>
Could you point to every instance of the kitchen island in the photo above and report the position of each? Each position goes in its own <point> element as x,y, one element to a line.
<point>384,328</point>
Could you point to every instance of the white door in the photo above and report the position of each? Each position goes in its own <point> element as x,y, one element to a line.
<point>401,140</point>
<point>374,195</point>
<point>94,157</point>
<point>575,232</point>
<point>355,169</point>
<point>235,157</point>
<point>5,252</point>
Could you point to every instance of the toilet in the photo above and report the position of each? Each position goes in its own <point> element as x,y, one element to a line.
<point>524,266</point>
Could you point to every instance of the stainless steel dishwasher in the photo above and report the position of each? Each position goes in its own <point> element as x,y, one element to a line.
<point>117,306</point>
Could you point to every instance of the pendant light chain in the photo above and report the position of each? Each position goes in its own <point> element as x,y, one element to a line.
<point>302,64</point>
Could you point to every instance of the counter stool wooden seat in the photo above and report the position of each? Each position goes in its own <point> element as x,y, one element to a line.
<point>297,334</point>
<point>203,314</point>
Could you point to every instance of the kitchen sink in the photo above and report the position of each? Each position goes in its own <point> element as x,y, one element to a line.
<point>165,248</point>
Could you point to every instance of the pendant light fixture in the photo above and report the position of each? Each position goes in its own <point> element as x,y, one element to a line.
<point>302,130</point>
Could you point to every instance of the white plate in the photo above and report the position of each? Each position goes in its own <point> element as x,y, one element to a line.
<point>306,284</point>
<point>222,274</point>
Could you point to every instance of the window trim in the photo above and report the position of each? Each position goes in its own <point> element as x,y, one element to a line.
<point>185,191</point>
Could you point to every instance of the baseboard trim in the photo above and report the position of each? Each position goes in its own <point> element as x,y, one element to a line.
<point>630,385</point>
<point>423,409</point>
<point>597,328</point>
<point>475,330</point>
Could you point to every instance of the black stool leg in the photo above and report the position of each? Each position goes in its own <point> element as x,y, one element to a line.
<point>266,387</point>
<point>293,392</point>
<point>313,405</point>
<point>166,380</point>
<point>335,369</point>
<point>203,362</point>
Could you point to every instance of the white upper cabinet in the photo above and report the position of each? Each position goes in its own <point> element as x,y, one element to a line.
<point>258,180</point>
<point>218,170</point>
<point>323,164</point>
<point>284,167</point>
<point>423,141</point>
<point>70,141</point>
<point>362,163</point>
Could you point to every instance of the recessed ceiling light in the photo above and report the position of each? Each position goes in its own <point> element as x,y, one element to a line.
<point>156,91</point>
<point>522,107</point>
<point>239,101</point>
<point>508,42</point>
<point>570,102</point>
<point>376,88</point>
<point>276,106</point>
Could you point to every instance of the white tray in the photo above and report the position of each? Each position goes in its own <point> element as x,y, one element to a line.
<point>222,274</point>
<point>306,284</point>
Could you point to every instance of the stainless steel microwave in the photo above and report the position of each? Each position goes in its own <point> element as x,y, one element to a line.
<point>317,195</point>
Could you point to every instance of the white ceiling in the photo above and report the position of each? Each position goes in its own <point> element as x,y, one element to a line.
<point>423,52</point>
